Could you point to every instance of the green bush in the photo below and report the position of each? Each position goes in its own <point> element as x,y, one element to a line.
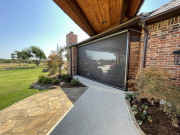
<point>47,80</point>
<point>131,97</point>
<point>41,78</point>
<point>141,114</point>
<point>67,78</point>
<point>75,82</point>
<point>56,81</point>
<point>155,83</point>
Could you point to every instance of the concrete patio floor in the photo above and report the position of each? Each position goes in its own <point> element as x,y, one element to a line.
<point>101,110</point>
<point>36,115</point>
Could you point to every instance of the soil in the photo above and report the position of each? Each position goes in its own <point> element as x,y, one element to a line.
<point>67,85</point>
<point>161,123</point>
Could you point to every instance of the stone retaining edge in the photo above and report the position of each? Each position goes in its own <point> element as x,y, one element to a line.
<point>139,130</point>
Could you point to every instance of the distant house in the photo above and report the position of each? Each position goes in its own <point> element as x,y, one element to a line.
<point>121,41</point>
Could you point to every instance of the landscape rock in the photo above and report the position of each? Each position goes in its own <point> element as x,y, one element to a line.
<point>45,70</point>
<point>62,83</point>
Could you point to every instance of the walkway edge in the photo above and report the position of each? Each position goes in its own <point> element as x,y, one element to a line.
<point>59,120</point>
<point>133,120</point>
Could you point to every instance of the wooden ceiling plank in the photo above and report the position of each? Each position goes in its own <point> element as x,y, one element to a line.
<point>71,8</point>
<point>115,11</point>
<point>124,10</point>
<point>91,10</point>
<point>89,14</point>
<point>133,6</point>
<point>104,11</point>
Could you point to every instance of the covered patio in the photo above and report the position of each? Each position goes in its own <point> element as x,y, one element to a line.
<point>101,110</point>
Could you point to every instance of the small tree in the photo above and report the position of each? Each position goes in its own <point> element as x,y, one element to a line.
<point>18,56</point>
<point>25,55</point>
<point>37,54</point>
<point>13,56</point>
<point>52,62</point>
<point>60,57</point>
<point>56,60</point>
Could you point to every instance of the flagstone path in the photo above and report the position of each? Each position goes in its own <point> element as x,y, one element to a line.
<point>39,113</point>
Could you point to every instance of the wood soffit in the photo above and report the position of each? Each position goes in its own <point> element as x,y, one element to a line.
<point>97,16</point>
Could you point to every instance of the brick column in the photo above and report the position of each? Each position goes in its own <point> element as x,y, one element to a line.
<point>71,39</point>
<point>74,60</point>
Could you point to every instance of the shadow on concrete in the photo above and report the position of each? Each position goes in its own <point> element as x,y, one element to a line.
<point>74,93</point>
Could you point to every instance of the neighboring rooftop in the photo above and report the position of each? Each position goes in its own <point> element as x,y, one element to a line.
<point>169,6</point>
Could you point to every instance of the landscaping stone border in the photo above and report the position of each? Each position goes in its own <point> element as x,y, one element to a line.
<point>36,85</point>
<point>133,119</point>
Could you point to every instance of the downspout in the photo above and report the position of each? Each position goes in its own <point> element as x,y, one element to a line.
<point>145,44</point>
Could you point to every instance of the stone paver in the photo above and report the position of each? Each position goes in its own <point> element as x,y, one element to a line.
<point>36,115</point>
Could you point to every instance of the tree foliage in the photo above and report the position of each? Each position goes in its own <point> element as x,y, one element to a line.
<point>56,60</point>
<point>37,54</point>
<point>27,55</point>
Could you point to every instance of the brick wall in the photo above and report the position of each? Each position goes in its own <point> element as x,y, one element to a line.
<point>74,60</point>
<point>133,55</point>
<point>71,38</point>
<point>163,39</point>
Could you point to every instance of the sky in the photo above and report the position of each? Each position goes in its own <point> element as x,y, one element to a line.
<point>42,23</point>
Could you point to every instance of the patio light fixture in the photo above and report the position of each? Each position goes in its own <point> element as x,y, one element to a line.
<point>103,22</point>
<point>176,57</point>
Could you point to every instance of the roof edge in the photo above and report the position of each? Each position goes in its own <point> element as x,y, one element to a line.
<point>140,6</point>
<point>132,21</point>
<point>163,15</point>
<point>143,17</point>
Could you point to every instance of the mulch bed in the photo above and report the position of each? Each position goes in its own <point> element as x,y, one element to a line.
<point>67,85</point>
<point>162,123</point>
<point>54,86</point>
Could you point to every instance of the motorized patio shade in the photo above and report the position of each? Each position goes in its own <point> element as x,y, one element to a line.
<point>104,60</point>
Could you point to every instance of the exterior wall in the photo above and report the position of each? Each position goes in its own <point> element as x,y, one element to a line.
<point>71,38</point>
<point>74,60</point>
<point>133,55</point>
<point>163,39</point>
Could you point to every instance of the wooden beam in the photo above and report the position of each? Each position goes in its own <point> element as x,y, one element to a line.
<point>124,10</point>
<point>72,9</point>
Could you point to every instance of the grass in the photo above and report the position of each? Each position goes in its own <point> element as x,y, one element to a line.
<point>14,85</point>
<point>9,66</point>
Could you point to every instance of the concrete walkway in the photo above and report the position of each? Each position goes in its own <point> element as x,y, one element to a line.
<point>101,110</point>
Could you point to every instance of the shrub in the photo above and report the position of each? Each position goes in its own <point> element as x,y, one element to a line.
<point>141,114</point>
<point>52,71</point>
<point>47,80</point>
<point>131,97</point>
<point>41,78</point>
<point>67,78</point>
<point>75,82</point>
<point>56,81</point>
<point>155,83</point>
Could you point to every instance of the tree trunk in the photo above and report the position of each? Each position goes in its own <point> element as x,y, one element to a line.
<point>59,71</point>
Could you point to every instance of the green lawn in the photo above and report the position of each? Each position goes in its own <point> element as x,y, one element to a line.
<point>14,85</point>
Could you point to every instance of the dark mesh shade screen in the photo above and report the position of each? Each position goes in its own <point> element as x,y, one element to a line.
<point>104,60</point>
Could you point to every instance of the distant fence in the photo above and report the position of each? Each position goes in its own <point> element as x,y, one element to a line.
<point>13,66</point>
